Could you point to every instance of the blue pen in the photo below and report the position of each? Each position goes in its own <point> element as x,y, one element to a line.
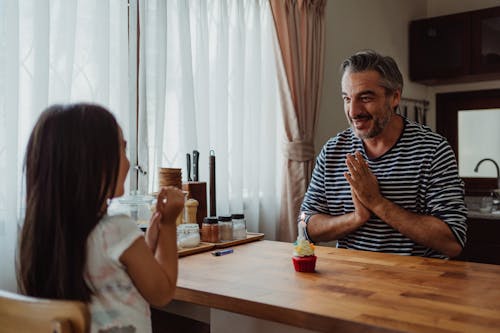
<point>219,253</point>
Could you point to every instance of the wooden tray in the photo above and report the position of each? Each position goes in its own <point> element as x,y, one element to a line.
<point>251,237</point>
<point>200,248</point>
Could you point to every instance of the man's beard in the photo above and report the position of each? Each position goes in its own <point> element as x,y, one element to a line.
<point>379,123</point>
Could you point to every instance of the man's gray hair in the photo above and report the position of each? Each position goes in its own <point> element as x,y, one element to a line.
<point>367,60</point>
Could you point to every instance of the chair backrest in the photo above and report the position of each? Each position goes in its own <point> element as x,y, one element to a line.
<point>20,314</point>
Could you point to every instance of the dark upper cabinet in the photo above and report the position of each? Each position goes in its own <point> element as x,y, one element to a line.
<point>486,40</point>
<point>456,48</point>
<point>439,48</point>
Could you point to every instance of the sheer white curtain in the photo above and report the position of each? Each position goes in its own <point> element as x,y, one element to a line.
<point>208,81</point>
<point>53,51</point>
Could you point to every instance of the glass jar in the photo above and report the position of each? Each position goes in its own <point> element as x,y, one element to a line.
<point>137,206</point>
<point>239,226</point>
<point>188,235</point>
<point>205,230</point>
<point>210,230</point>
<point>225,228</point>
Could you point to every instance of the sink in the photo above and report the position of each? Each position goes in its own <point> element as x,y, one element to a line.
<point>473,203</point>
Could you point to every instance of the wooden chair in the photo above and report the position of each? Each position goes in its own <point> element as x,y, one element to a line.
<point>20,314</point>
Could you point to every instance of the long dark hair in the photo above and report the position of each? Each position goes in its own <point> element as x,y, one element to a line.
<point>71,165</point>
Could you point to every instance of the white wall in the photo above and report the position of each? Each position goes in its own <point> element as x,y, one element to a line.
<point>381,25</point>
<point>352,25</point>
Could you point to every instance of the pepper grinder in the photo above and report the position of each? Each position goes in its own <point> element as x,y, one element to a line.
<point>190,208</point>
<point>180,219</point>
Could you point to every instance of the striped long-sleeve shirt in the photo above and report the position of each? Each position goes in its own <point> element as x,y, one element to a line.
<point>419,173</point>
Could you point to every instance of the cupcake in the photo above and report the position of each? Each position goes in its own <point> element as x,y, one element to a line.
<point>303,258</point>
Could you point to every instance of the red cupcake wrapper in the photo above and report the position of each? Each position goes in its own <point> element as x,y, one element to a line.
<point>304,264</point>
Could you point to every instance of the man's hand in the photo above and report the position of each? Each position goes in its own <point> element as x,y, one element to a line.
<point>361,213</point>
<point>364,184</point>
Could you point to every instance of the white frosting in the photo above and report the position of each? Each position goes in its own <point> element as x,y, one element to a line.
<point>302,247</point>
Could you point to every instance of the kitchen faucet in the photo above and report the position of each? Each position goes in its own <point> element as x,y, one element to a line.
<point>496,166</point>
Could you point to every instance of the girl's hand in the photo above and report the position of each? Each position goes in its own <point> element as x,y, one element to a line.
<point>152,233</point>
<point>170,204</point>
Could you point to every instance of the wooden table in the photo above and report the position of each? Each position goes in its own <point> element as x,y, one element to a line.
<point>352,291</point>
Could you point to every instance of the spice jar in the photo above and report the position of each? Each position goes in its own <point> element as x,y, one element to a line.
<point>205,230</point>
<point>188,235</point>
<point>225,228</point>
<point>239,226</point>
<point>210,230</point>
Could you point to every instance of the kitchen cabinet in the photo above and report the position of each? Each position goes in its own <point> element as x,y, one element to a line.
<point>485,41</point>
<point>483,241</point>
<point>456,48</point>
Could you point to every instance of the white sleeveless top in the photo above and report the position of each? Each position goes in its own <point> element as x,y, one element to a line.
<point>117,305</point>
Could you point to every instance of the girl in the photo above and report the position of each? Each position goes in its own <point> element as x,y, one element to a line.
<point>70,248</point>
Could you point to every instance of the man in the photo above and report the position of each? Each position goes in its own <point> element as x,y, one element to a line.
<point>385,184</point>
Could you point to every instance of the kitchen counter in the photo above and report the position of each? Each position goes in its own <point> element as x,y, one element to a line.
<point>473,211</point>
<point>351,291</point>
<point>479,215</point>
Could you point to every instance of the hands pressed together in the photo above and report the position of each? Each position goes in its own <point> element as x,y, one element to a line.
<point>364,186</point>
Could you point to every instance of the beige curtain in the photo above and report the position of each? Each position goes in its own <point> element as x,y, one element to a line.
<point>300,26</point>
